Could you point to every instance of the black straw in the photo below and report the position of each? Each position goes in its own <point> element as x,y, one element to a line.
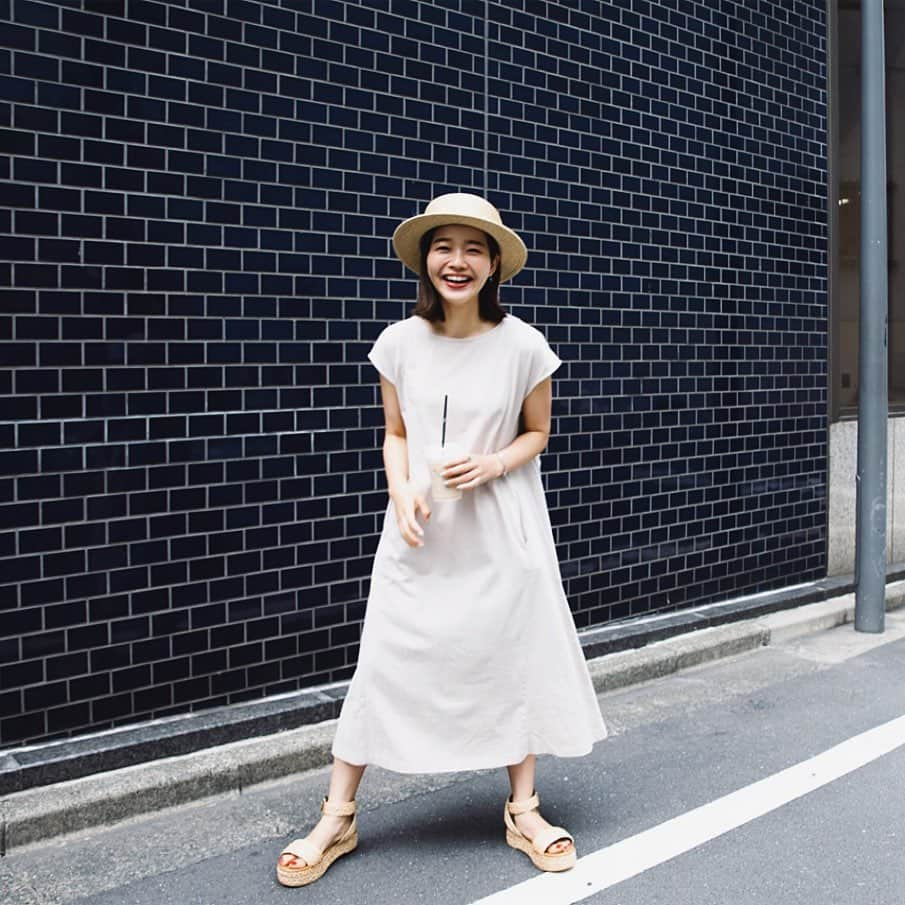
<point>443,437</point>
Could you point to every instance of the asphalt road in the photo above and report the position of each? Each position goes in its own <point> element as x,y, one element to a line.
<point>676,744</point>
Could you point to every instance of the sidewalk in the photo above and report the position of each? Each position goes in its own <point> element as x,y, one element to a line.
<point>48,811</point>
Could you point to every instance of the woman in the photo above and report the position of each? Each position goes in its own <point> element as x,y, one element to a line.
<point>468,656</point>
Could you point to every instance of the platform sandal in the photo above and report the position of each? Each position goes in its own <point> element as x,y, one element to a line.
<point>317,861</point>
<point>536,849</point>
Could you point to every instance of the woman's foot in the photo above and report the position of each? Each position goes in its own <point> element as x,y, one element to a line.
<point>531,823</point>
<point>327,831</point>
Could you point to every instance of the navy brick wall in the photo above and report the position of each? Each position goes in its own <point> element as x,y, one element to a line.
<point>197,203</point>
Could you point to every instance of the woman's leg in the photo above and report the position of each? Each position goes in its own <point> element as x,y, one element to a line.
<point>521,779</point>
<point>344,780</point>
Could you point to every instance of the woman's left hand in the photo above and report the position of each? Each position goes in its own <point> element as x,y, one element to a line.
<point>472,471</point>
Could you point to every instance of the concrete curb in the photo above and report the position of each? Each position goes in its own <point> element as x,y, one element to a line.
<point>46,812</point>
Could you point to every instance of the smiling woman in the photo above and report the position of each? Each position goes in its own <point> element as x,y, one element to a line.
<point>469,657</point>
<point>458,255</point>
<point>459,262</point>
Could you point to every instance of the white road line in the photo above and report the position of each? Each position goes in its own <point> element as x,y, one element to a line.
<point>630,857</point>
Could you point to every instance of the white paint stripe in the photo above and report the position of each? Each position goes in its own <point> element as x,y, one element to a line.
<point>630,857</point>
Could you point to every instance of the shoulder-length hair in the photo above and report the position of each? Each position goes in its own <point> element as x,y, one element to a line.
<point>430,307</point>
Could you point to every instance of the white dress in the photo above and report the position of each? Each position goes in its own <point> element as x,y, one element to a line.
<point>469,656</point>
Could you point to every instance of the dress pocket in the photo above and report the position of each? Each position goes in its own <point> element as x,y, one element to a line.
<point>512,511</point>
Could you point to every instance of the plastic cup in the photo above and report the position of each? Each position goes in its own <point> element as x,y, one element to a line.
<point>438,457</point>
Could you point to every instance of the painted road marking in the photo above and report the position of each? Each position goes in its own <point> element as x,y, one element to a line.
<point>611,865</point>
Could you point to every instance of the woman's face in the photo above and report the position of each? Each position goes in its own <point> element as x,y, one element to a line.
<point>459,263</point>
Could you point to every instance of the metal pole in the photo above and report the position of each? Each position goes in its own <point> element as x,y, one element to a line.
<point>870,542</point>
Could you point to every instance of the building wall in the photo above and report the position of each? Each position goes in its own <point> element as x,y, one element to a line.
<point>199,204</point>
<point>843,494</point>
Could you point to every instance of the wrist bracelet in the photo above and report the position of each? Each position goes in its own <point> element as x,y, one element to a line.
<point>503,463</point>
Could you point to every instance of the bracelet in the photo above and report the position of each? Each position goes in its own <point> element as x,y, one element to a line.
<point>503,463</point>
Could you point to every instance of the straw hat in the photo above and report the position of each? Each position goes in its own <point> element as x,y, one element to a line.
<point>466,210</point>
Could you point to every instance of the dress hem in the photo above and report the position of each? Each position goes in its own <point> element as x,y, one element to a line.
<point>398,767</point>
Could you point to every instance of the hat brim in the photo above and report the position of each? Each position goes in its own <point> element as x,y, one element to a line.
<point>407,240</point>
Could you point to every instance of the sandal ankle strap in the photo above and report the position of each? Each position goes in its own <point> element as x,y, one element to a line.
<point>523,806</point>
<point>339,809</point>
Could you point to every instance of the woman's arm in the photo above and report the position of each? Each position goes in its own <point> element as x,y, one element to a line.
<point>537,415</point>
<point>395,444</point>
<point>395,463</point>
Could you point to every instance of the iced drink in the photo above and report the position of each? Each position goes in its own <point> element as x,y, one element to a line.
<point>437,457</point>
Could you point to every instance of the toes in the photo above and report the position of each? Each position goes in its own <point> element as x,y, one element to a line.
<point>559,847</point>
<point>291,861</point>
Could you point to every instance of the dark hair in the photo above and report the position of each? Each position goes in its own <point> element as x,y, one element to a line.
<point>430,307</point>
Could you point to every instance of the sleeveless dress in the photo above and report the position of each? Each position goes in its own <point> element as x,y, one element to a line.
<point>469,656</point>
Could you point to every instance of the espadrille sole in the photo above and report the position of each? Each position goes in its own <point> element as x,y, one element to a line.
<point>302,876</point>
<point>544,861</point>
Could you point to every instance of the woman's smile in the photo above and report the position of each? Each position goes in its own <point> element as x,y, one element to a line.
<point>459,263</point>
<point>456,282</point>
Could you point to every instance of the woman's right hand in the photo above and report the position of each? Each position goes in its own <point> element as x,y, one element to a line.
<point>407,503</point>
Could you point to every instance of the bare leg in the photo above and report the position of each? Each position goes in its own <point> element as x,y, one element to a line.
<point>521,779</point>
<point>344,780</point>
